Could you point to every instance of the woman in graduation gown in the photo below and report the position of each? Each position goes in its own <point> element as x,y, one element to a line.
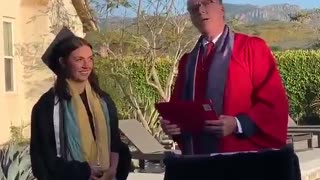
<point>74,125</point>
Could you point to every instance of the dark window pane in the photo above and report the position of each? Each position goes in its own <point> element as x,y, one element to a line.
<point>8,69</point>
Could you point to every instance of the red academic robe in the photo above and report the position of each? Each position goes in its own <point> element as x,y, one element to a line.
<point>254,88</point>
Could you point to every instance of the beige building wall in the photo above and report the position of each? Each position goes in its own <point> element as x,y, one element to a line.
<point>32,25</point>
<point>11,103</point>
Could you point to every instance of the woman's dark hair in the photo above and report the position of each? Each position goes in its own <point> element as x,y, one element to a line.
<point>63,50</point>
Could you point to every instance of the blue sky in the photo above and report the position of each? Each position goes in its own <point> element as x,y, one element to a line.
<point>302,3</point>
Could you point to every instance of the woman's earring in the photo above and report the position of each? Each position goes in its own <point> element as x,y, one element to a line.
<point>61,62</point>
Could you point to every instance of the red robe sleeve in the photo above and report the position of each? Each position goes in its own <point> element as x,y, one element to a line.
<point>179,82</point>
<point>270,107</point>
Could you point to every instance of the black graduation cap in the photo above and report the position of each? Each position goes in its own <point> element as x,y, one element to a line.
<point>48,55</point>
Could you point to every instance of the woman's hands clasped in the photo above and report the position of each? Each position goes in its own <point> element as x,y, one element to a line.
<point>97,173</point>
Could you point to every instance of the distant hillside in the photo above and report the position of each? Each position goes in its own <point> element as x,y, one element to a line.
<point>313,20</point>
<point>244,13</point>
<point>271,22</point>
<point>279,12</point>
<point>282,35</point>
<point>235,9</point>
<point>116,22</point>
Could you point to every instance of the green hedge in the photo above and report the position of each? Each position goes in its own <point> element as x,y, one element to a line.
<point>300,70</point>
<point>130,71</point>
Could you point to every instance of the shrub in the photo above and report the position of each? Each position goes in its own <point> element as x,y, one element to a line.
<point>130,72</point>
<point>300,70</point>
<point>15,162</point>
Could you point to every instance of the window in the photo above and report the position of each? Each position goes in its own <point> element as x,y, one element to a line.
<point>8,56</point>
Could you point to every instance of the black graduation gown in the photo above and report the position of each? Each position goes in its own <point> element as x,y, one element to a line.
<point>45,163</point>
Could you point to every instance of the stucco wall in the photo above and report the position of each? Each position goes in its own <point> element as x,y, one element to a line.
<point>32,35</point>
<point>11,103</point>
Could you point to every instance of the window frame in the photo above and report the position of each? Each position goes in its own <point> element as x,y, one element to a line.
<point>12,58</point>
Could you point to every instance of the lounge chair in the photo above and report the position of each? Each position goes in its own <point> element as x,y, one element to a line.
<point>310,129</point>
<point>296,137</point>
<point>148,148</point>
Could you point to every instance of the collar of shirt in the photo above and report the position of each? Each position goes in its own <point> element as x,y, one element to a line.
<point>205,42</point>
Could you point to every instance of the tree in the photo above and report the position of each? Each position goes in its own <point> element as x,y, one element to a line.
<point>86,15</point>
<point>234,23</point>
<point>161,34</point>
<point>299,17</point>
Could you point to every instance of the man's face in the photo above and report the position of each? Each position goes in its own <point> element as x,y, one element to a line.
<point>206,15</point>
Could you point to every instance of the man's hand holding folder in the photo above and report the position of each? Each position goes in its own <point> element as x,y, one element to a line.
<point>168,128</point>
<point>224,126</point>
<point>194,117</point>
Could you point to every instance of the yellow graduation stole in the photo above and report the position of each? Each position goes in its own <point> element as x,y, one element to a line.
<point>96,152</point>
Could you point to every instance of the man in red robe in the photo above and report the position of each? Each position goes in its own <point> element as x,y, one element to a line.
<point>239,74</point>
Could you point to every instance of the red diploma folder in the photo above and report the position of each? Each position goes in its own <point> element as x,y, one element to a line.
<point>190,116</point>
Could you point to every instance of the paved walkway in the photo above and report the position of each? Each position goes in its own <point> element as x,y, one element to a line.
<point>309,160</point>
<point>145,176</point>
<point>309,164</point>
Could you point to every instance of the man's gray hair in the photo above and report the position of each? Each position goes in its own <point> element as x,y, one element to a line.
<point>220,1</point>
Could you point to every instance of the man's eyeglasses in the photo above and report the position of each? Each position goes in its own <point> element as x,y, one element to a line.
<point>195,7</point>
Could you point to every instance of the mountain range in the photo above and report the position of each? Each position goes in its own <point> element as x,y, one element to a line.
<point>254,14</point>
<point>247,13</point>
